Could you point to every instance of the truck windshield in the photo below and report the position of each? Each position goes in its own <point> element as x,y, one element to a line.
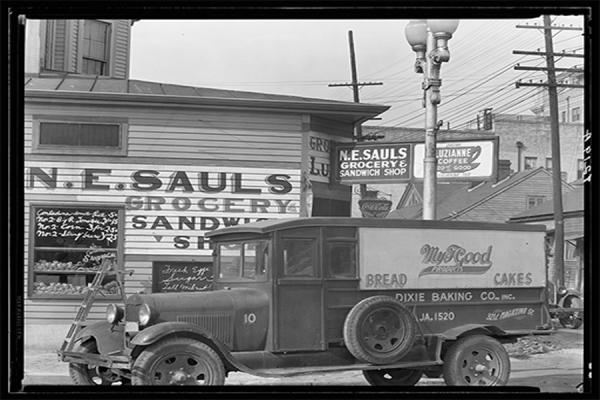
<point>243,261</point>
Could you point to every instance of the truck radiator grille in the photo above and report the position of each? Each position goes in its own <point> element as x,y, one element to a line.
<point>218,324</point>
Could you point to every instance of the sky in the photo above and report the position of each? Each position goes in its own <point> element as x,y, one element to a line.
<point>301,57</point>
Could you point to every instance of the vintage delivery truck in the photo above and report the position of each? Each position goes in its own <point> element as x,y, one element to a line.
<point>397,299</point>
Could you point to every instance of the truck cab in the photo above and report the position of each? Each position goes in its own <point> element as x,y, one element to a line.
<point>394,298</point>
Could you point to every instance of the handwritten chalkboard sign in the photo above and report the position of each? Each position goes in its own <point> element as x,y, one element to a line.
<point>179,276</point>
<point>76,227</point>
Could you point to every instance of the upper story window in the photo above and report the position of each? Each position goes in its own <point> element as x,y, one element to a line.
<point>530,162</point>
<point>79,137</point>
<point>95,48</point>
<point>575,114</point>
<point>533,201</point>
<point>549,163</point>
<point>580,168</point>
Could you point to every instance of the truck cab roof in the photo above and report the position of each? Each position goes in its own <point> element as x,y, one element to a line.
<point>271,225</point>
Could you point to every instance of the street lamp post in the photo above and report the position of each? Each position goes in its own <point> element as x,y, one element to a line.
<point>429,40</point>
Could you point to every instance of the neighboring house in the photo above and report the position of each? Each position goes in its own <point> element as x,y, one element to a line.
<point>573,223</point>
<point>487,201</point>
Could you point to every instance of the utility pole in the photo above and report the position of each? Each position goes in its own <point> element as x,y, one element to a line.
<point>555,137</point>
<point>356,85</point>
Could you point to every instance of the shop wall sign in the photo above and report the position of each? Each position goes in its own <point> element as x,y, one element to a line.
<point>168,208</point>
<point>181,276</point>
<point>372,162</point>
<point>461,160</point>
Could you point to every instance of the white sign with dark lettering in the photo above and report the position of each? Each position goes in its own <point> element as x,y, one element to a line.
<point>412,258</point>
<point>466,160</point>
<point>168,208</point>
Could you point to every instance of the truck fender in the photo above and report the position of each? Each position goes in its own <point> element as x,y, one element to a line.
<point>157,332</point>
<point>108,337</point>
<point>469,329</point>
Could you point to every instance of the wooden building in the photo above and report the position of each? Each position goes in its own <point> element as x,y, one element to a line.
<point>141,170</point>
<point>573,225</point>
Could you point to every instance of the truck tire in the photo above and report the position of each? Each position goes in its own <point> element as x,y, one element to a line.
<point>571,320</point>
<point>178,361</point>
<point>393,377</point>
<point>379,330</point>
<point>83,374</point>
<point>477,360</point>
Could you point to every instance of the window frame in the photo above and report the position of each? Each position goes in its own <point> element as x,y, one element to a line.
<point>575,114</point>
<point>528,158</point>
<point>537,198</point>
<point>62,149</point>
<point>337,241</point>
<point>317,274</point>
<point>109,46</point>
<point>241,278</point>
<point>119,249</point>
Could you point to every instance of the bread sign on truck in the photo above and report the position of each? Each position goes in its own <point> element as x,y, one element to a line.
<point>396,299</point>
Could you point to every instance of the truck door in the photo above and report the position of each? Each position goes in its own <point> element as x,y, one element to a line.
<point>299,292</point>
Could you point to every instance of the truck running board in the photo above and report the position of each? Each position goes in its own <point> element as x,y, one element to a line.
<point>294,371</point>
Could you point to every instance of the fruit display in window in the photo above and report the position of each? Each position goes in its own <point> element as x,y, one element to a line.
<point>43,265</point>
<point>55,288</point>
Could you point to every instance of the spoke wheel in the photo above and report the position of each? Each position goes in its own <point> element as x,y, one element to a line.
<point>379,330</point>
<point>178,361</point>
<point>477,360</point>
<point>83,374</point>
<point>393,377</point>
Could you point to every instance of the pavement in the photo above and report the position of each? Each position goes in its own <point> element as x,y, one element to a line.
<point>554,371</point>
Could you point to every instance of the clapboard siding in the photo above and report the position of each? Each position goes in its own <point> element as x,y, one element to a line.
<point>331,127</point>
<point>511,201</point>
<point>218,121</point>
<point>120,53</point>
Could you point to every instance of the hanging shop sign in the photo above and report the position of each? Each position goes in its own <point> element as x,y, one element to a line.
<point>372,163</point>
<point>463,160</point>
<point>168,208</point>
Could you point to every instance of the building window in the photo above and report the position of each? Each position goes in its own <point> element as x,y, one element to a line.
<point>69,245</point>
<point>563,116</point>
<point>412,200</point>
<point>533,201</point>
<point>95,48</point>
<point>580,168</point>
<point>530,162</point>
<point>77,137</point>
<point>549,163</point>
<point>575,115</point>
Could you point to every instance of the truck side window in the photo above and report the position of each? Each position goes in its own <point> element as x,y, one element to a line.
<point>256,255</point>
<point>342,259</point>
<point>230,260</point>
<point>298,257</point>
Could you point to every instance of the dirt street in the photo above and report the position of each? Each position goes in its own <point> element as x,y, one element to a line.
<point>552,363</point>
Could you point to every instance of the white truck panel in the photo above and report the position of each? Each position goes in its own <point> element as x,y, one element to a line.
<point>406,258</point>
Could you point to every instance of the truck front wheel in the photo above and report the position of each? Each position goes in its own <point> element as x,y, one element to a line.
<point>178,361</point>
<point>393,377</point>
<point>83,374</point>
<point>476,360</point>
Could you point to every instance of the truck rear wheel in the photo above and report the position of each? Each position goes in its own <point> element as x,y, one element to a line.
<point>393,377</point>
<point>476,360</point>
<point>379,330</point>
<point>83,374</point>
<point>178,361</point>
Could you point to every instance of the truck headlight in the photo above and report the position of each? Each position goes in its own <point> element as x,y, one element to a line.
<point>562,290</point>
<point>144,314</point>
<point>114,313</point>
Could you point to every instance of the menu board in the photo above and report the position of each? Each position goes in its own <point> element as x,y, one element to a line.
<point>76,227</point>
<point>181,276</point>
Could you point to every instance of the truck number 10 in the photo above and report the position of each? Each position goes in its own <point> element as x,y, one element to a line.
<point>249,318</point>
